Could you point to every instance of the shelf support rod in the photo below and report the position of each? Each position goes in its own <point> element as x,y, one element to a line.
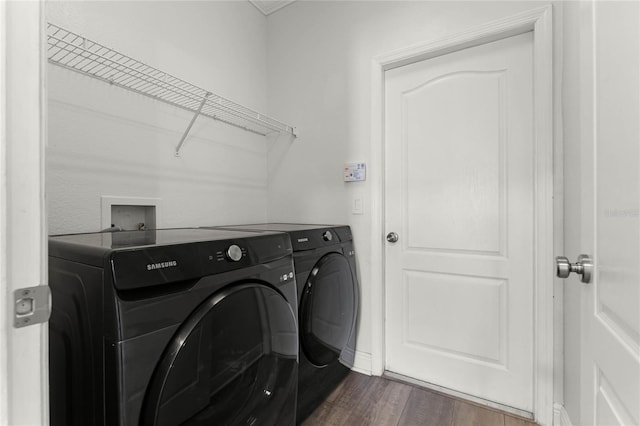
<point>193,120</point>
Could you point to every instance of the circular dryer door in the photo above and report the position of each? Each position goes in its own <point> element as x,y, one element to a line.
<point>327,309</point>
<point>233,361</point>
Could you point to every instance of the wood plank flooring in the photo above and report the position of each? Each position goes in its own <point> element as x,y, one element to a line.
<point>376,401</point>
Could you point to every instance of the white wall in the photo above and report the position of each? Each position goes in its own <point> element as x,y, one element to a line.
<point>104,140</point>
<point>320,65</point>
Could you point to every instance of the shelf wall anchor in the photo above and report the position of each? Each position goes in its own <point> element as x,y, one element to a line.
<point>193,120</point>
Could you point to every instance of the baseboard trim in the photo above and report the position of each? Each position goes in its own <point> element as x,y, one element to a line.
<point>560,416</point>
<point>362,363</point>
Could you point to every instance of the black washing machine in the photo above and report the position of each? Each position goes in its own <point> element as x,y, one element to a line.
<point>172,327</point>
<point>328,300</point>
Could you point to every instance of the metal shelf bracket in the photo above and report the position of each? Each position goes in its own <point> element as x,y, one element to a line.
<point>193,120</point>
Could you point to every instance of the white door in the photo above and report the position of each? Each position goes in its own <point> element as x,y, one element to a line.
<point>24,373</point>
<point>459,193</point>
<point>610,371</point>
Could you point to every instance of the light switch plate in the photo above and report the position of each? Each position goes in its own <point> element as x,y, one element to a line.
<point>356,205</point>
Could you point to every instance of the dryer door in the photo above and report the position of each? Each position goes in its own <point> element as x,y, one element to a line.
<point>233,361</point>
<point>327,309</point>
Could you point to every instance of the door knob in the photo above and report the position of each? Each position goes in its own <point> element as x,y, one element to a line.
<point>583,267</point>
<point>392,237</point>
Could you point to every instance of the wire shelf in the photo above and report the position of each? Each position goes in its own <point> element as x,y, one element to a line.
<point>77,53</point>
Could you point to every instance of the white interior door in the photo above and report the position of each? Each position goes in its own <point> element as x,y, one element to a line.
<point>459,193</point>
<point>610,371</point>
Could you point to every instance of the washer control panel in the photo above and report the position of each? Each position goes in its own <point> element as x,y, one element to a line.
<point>163,264</point>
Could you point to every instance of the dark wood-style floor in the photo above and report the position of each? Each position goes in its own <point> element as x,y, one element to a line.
<point>366,400</point>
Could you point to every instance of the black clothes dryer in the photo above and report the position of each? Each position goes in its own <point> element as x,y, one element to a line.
<point>172,327</point>
<point>328,300</point>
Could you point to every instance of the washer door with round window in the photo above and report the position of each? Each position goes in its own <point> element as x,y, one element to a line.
<point>328,310</point>
<point>233,361</point>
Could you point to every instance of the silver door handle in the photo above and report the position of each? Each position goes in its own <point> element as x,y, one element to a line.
<point>583,267</point>
<point>392,237</point>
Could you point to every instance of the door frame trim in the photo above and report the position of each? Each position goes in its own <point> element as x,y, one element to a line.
<point>24,351</point>
<point>539,21</point>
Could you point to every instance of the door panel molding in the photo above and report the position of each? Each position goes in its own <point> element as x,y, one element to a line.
<point>489,303</point>
<point>441,221</point>
<point>539,21</point>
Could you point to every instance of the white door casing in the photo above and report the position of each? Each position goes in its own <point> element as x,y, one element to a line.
<point>459,192</point>
<point>538,21</point>
<point>24,386</point>
<point>610,311</point>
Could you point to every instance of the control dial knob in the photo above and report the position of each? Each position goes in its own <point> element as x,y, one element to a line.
<point>327,236</point>
<point>234,253</point>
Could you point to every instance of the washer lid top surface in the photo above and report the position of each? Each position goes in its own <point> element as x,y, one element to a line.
<point>152,237</point>
<point>201,251</point>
